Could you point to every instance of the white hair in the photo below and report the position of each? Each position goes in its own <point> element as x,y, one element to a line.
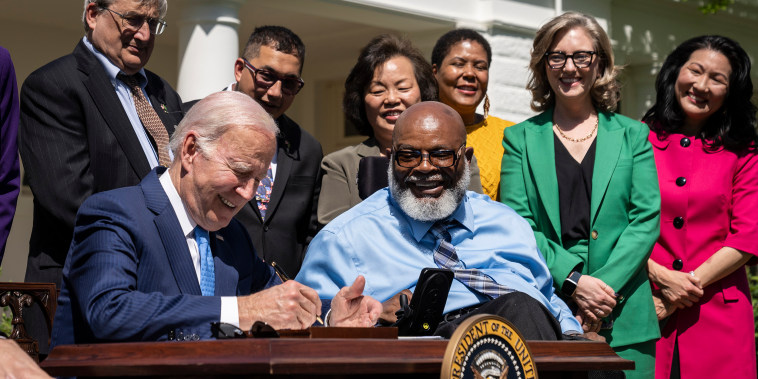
<point>429,208</point>
<point>212,116</point>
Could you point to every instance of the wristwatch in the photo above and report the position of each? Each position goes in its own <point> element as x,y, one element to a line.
<point>569,285</point>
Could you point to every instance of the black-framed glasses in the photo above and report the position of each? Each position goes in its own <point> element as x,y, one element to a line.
<point>133,22</point>
<point>557,59</point>
<point>437,158</point>
<point>265,79</point>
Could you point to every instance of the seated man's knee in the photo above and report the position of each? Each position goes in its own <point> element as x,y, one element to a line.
<point>528,315</point>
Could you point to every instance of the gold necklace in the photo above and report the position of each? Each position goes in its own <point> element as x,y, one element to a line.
<point>577,140</point>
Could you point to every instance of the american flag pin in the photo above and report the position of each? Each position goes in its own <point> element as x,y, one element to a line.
<point>219,237</point>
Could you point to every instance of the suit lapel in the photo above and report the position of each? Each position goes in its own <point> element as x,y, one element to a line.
<point>368,148</point>
<point>540,151</point>
<point>157,97</point>
<point>226,277</point>
<point>99,86</point>
<point>171,235</point>
<point>283,168</point>
<point>286,153</point>
<point>608,149</point>
<point>175,245</point>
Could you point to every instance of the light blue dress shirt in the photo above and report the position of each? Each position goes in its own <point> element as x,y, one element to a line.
<point>125,97</point>
<point>378,240</point>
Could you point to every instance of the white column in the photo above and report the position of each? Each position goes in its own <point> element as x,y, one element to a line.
<point>208,46</point>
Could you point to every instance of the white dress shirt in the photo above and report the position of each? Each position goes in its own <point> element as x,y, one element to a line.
<point>229,310</point>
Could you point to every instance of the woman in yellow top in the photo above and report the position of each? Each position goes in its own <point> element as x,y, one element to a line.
<point>460,61</point>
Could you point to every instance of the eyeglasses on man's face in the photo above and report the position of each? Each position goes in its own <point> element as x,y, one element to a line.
<point>557,59</point>
<point>133,22</point>
<point>437,158</point>
<point>265,79</point>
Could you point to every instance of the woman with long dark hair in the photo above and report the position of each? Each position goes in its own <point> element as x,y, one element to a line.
<point>702,127</point>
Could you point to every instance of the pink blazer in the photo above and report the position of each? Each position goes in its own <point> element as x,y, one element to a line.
<point>709,199</point>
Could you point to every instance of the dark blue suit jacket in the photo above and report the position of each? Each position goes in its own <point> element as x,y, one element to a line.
<point>129,276</point>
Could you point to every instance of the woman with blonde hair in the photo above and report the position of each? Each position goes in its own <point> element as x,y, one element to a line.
<point>585,179</point>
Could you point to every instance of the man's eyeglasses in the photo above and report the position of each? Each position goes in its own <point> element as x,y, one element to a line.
<point>266,79</point>
<point>557,59</point>
<point>133,22</point>
<point>437,158</point>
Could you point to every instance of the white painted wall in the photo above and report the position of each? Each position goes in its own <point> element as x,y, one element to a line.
<point>509,98</point>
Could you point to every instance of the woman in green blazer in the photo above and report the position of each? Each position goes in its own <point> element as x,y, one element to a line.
<point>585,179</point>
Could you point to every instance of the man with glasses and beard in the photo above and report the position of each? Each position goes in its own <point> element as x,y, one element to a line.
<point>426,218</point>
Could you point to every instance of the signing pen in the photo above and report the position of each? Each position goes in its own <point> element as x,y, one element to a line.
<point>283,276</point>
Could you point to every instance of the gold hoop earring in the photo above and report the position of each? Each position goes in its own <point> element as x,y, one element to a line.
<point>486,105</point>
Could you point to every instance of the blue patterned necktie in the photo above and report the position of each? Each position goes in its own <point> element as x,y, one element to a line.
<point>446,257</point>
<point>207,272</point>
<point>263,194</point>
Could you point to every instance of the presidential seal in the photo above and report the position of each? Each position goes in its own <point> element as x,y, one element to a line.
<point>488,347</point>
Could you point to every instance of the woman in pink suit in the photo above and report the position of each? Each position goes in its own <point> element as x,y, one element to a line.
<point>703,134</point>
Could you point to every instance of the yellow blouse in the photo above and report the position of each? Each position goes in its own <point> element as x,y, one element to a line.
<point>486,138</point>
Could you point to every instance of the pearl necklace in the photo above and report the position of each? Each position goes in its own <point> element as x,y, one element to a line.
<point>577,140</point>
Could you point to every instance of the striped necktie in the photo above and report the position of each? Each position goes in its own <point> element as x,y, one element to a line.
<point>207,272</point>
<point>446,257</point>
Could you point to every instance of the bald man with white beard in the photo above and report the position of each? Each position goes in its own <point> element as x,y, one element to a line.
<point>395,233</point>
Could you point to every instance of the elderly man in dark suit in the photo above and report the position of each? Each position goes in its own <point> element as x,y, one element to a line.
<point>164,259</point>
<point>92,121</point>
<point>281,219</point>
<point>81,128</point>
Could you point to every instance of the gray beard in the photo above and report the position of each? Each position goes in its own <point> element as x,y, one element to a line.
<point>429,208</point>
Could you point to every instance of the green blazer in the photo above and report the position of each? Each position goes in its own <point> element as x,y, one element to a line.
<point>625,212</point>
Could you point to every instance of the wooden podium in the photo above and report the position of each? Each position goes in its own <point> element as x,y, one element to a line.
<point>307,357</point>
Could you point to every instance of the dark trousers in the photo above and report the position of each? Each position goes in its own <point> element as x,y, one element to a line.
<point>35,322</point>
<point>529,316</point>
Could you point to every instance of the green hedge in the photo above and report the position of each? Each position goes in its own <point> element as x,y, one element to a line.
<point>5,317</point>
<point>752,275</point>
<point>5,321</point>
